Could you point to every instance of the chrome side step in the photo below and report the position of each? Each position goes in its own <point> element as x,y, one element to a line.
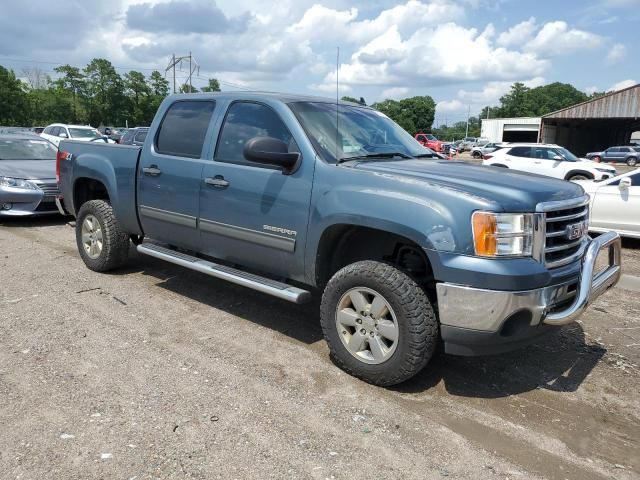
<point>256,282</point>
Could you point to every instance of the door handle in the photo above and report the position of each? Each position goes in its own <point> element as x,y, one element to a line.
<point>217,182</point>
<point>152,170</point>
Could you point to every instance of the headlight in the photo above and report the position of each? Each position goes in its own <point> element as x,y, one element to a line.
<point>502,234</point>
<point>17,183</point>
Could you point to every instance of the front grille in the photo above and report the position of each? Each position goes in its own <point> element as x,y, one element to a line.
<point>559,248</point>
<point>50,191</point>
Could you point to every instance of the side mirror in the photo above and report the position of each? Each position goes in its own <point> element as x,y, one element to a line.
<point>270,151</point>
<point>63,135</point>
<point>558,158</point>
<point>625,183</point>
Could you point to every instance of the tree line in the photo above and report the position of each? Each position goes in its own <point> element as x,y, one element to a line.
<point>96,95</point>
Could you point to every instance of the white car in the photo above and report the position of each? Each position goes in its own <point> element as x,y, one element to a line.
<point>548,159</point>
<point>615,204</point>
<point>59,131</point>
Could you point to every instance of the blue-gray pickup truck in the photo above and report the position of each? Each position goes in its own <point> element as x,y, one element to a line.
<point>295,196</point>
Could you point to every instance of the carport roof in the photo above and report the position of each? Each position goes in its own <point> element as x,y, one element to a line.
<point>620,104</point>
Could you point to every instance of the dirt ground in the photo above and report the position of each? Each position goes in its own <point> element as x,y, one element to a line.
<point>158,372</point>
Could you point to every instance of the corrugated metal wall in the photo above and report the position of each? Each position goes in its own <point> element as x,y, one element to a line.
<point>621,104</point>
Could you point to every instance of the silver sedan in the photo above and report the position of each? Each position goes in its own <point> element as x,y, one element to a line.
<point>27,175</point>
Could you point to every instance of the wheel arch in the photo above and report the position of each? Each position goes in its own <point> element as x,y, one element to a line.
<point>342,244</point>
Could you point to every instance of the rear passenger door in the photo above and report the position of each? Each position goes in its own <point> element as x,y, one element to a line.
<point>170,172</point>
<point>519,158</point>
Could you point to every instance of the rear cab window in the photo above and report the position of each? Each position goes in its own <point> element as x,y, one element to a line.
<point>184,127</point>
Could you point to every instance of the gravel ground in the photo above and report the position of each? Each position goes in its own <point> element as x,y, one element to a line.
<point>158,372</point>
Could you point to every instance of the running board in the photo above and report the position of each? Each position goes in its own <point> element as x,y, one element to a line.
<point>256,282</point>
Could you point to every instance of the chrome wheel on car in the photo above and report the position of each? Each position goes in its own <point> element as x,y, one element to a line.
<point>367,325</point>
<point>92,240</point>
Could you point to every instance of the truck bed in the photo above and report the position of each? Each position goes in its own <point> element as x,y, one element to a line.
<point>115,166</point>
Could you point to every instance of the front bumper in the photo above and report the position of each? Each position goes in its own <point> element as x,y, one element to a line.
<point>477,321</point>
<point>21,202</point>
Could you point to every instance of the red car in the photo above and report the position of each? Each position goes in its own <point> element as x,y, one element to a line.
<point>430,141</point>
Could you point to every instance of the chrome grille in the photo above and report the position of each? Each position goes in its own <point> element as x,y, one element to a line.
<point>50,191</point>
<point>561,218</point>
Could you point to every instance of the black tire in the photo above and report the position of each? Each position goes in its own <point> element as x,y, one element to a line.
<point>579,176</point>
<point>632,161</point>
<point>418,332</point>
<point>115,243</point>
<point>476,155</point>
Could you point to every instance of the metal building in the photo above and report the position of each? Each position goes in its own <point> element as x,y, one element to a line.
<point>595,124</point>
<point>523,129</point>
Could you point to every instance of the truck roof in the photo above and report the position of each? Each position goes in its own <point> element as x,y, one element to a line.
<point>244,94</point>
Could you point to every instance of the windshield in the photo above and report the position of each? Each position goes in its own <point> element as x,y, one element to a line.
<point>362,131</point>
<point>563,152</point>
<point>23,149</point>
<point>84,133</point>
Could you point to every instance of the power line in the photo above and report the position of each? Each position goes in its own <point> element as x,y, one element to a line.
<point>124,68</point>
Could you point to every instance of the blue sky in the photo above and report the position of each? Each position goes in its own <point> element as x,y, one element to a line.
<point>465,54</point>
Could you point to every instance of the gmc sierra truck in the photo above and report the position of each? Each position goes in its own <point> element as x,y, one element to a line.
<point>293,195</point>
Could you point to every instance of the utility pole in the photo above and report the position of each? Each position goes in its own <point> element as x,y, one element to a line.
<point>193,67</point>
<point>468,113</point>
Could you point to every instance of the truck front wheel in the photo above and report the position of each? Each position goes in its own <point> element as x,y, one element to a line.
<point>378,322</point>
<point>101,243</point>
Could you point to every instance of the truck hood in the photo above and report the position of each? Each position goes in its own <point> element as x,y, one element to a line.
<point>28,169</point>
<point>513,191</point>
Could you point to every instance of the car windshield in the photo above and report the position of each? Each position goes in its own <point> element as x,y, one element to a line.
<point>84,133</point>
<point>563,152</point>
<point>360,132</point>
<point>23,149</point>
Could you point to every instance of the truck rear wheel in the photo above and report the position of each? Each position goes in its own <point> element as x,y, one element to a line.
<point>378,322</point>
<point>101,243</point>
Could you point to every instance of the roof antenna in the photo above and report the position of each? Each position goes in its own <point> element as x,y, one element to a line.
<point>337,97</point>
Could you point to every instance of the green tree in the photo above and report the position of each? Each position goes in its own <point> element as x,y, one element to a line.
<point>515,103</point>
<point>414,114</point>
<point>158,84</point>
<point>69,95</point>
<point>186,88</point>
<point>104,93</point>
<point>347,98</point>
<point>138,94</point>
<point>13,99</point>
<point>212,86</point>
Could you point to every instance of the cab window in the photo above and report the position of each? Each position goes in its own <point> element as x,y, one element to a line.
<point>184,128</point>
<point>244,121</point>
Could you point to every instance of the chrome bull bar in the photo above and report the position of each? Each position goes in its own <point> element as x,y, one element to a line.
<point>589,287</point>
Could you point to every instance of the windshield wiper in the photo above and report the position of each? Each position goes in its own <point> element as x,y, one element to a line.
<point>426,155</point>
<point>375,155</point>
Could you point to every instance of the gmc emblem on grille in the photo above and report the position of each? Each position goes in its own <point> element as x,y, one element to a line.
<point>577,230</point>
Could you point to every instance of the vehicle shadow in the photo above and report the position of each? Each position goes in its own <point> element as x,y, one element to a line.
<point>559,362</point>
<point>632,243</point>
<point>299,322</point>
<point>40,221</point>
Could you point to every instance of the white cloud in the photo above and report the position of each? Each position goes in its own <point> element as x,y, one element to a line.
<point>622,85</point>
<point>392,60</point>
<point>448,106</point>
<point>395,93</point>
<point>518,34</point>
<point>616,54</point>
<point>555,38</point>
